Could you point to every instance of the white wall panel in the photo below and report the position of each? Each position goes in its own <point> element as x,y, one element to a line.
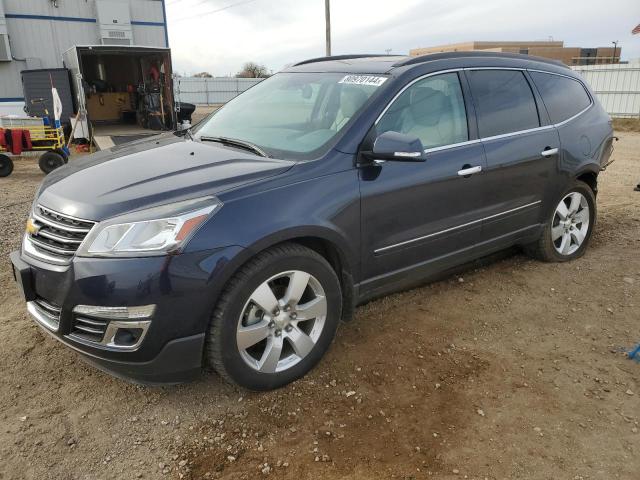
<point>616,86</point>
<point>147,11</point>
<point>148,36</point>
<point>212,91</point>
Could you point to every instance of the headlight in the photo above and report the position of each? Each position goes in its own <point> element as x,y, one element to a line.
<point>155,231</point>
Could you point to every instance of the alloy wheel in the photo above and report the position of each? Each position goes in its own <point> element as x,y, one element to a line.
<point>281,321</point>
<point>570,223</point>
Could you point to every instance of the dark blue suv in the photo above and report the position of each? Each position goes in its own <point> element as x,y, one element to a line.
<point>241,244</point>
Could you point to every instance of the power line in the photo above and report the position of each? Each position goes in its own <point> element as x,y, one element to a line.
<point>173,2</point>
<point>210,12</point>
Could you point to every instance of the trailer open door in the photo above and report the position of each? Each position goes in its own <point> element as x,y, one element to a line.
<point>126,91</point>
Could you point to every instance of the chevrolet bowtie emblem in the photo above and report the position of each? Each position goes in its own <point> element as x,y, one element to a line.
<point>32,228</point>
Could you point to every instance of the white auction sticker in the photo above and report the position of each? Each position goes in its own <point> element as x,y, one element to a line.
<point>363,80</point>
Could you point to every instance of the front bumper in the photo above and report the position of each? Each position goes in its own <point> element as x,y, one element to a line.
<point>184,289</point>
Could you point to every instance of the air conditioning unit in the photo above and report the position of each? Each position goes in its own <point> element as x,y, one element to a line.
<point>114,22</point>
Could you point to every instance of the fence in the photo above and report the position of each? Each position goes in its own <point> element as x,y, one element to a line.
<point>617,87</point>
<point>212,91</point>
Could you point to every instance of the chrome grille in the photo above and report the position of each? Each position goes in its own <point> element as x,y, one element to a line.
<point>49,311</point>
<point>89,329</point>
<point>56,236</point>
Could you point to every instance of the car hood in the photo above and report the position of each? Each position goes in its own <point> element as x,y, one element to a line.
<point>151,172</point>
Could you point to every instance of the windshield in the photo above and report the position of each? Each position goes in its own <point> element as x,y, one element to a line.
<point>294,115</point>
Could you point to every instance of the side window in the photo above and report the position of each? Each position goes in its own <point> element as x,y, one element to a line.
<point>562,96</point>
<point>504,102</point>
<point>431,109</point>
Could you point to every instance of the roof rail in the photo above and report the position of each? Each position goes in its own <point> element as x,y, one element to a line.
<point>340,57</point>
<point>476,53</point>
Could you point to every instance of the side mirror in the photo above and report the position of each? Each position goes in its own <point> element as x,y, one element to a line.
<point>395,146</point>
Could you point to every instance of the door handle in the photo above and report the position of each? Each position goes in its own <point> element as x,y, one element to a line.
<point>547,152</point>
<point>465,172</point>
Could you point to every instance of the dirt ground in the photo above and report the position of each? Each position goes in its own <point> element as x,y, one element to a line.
<point>202,111</point>
<point>512,370</point>
<point>622,124</point>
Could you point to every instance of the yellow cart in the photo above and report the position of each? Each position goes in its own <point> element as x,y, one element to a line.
<point>47,139</point>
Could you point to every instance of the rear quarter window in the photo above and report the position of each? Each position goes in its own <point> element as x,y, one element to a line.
<point>563,96</point>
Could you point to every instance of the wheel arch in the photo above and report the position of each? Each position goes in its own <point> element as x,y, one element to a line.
<point>590,177</point>
<point>324,241</point>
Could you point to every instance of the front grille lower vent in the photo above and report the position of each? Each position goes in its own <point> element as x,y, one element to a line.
<point>89,329</point>
<point>49,312</point>
<point>56,236</point>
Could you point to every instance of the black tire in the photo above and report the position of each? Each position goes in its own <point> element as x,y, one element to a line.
<point>63,154</point>
<point>6,166</point>
<point>223,354</point>
<point>544,248</point>
<point>49,161</point>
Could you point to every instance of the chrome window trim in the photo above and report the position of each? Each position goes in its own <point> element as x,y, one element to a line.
<point>424,237</point>
<point>494,137</point>
<point>415,80</point>
<point>453,145</point>
<point>519,132</point>
<point>574,117</point>
<point>552,73</point>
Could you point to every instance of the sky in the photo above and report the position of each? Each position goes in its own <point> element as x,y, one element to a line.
<point>219,36</point>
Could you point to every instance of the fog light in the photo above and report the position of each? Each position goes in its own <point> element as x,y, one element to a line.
<point>127,336</point>
<point>124,327</point>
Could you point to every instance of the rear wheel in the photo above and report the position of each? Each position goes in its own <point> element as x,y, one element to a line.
<point>568,230</point>
<point>49,161</point>
<point>6,166</point>
<point>276,318</point>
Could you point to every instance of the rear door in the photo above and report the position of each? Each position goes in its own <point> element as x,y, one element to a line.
<point>415,215</point>
<point>521,148</point>
<point>567,101</point>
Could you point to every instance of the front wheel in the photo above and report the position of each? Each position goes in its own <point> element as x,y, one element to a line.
<point>276,318</point>
<point>568,229</point>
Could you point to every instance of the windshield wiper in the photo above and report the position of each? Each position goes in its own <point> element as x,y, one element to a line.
<point>236,143</point>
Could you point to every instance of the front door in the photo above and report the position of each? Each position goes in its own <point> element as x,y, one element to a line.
<point>417,216</point>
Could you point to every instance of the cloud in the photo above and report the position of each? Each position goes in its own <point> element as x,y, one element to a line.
<point>279,32</point>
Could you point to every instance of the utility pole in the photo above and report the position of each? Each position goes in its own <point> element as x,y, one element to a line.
<point>327,17</point>
<point>615,47</point>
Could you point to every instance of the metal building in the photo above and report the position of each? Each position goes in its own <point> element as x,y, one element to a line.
<point>35,33</point>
